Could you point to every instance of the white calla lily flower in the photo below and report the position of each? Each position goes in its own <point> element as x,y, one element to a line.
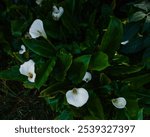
<point>57,13</point>
<point>125,42</point>
<point>39,2</point>
<point>36,30</point>
<point>77,97</point>
<point>87,77</point>
<point>28,69</point>
<point>22,50</point>
<point>119,102</point>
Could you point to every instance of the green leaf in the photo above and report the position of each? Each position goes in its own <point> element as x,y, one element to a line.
<point>133,108</point>
<point>99,61</point>
<point>144,5</point>
<point>12,74</point>
<point>45,72</point>
<point>104,79</point>
<point>65,115</point>
<point>39,47</point>
<point>133,46</point>
<point>112,37</point>
<point>146,58</point>
<point>131,30</point>
<point>138,81</point>
<point>120,70</point>
<point>64,62</point>
<point>54,88</point>
<point>52,29</point>
<point>140,114</point>
<point>18,27</point>
<point>147,24</point>
<point>94,106</point>
<point>79,68</point>
<point>137,16</point>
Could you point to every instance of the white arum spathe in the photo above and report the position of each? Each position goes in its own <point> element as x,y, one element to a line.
<point>87,77</point>
<point>77,97</point>
<point>125,42</point>
<point>28,69</point>
<point>36,30</point>
<point>57,12</point>
<point>22,50</point>
<point>39,2</point>
<point>119,102</point>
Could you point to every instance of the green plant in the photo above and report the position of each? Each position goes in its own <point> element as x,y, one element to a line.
<point>86,36</point>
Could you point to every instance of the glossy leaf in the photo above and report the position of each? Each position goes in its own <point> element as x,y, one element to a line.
<point>147,24</point>
<point>95,107</point>
<point>65,115</point>
<point>18,27</point>
<point>12,74</point>
<point>64,61</point>
<point>45,72</point>
<point>133,46</point>
<point>79,68</point>
<point>133,108</point>
<point>120,70</point>
<point>146,58</point>
<point>112,37</point>
<point>137,16</point>
<point>39,47</point>
<point>99,61</point>
<point>54,88</point>
<point>138,81</point>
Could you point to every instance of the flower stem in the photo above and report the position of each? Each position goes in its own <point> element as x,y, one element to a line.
<point>51,44</point>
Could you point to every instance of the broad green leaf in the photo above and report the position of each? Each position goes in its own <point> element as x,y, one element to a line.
<point>65,115</point>
<point>140,114</point>
<point>144,5</point>
<point>146,58</point>
<point>29,85</point>
<point>120,70</point>
<point>44,73</point>
<point>104,79</point>
<point>12,74</point>
<point>52,29</point>
<point>112,37</point>
<point>79,68</point>
<point>146,42</point>
<point>73,48</point>
<point>138,81</point>
<point>18,27</point>
<point>133,46</point>
<point>147,24</point>
<point>54,88</point>
<point>53,103</point>
<point>94,106</point>
<point>99,61</point>
<point>133,108</point>
<point>39,47</point>
<point>131,30</point>
<point>64,61</point>
<point>137,16</point>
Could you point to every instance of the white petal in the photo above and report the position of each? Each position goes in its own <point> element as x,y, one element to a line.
<point>119,102</point>
<point>39,2</point>
<point>87,77</point>
<point>22,50</point>
<point>57,13</point>
<point>28,68</point>
<point>55,9</point>
<point>36,30</point>
<point>77,99</point>
<point>125,42</point>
